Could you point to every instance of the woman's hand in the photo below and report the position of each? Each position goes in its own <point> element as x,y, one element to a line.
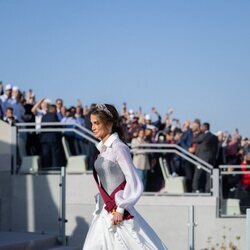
<point>117,218</point>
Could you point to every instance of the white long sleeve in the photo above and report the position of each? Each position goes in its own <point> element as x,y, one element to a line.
<point>129,196</point>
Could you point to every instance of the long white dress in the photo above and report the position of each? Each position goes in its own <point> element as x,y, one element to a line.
<point>113,166</point>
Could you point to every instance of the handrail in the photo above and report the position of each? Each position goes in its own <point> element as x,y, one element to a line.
<point>234,166</point>
<point>235,172</point>
<point>225,172</point>
<point>59,130</point>
<point>144,148</point>
<point>163,145</point>
<point>172,151</point>
<point>28,124</point>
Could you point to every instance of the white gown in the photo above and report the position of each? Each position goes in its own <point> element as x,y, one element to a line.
<point>113,166</point>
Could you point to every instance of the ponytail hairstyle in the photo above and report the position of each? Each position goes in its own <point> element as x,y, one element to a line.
<point>108,114</point>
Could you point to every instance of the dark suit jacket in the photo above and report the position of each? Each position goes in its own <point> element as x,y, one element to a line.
<point>206,147</point>
<point>186,139</point>
<point>50,137</point>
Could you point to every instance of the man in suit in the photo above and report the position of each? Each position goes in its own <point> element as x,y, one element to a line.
<point>51,145</point>
<point>186,143</point>
<point>206,149</point>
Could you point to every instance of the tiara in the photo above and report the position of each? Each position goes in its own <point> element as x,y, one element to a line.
<point>104,108</point>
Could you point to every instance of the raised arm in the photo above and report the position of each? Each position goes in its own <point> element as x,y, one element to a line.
<point>37,106</point>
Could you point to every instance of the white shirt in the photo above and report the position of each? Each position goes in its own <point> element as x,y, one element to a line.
<point>18,110</point>
<point>38,119</point>
<point>6,102</point>
<point>114,151</point>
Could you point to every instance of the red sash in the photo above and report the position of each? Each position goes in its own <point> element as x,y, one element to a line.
<point>109,200</point>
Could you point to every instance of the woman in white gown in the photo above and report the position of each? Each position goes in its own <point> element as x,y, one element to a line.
<point>116,224</point>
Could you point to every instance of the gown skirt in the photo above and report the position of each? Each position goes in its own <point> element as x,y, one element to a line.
<point>132,234</point>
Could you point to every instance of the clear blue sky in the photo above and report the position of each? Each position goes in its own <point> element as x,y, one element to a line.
<point>191,55</point>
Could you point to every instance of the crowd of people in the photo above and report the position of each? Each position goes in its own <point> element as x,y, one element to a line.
<point>194,136</point>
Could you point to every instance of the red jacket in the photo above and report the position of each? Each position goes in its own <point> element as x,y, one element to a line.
<point>245,180</point>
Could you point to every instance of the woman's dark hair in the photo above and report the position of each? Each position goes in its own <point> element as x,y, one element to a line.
<point>108,114</point>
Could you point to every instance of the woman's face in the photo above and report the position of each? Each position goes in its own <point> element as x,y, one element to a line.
<point>99,128</point>
<point>141,134</point>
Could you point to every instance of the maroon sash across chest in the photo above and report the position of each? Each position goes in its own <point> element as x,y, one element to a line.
<point>109,200</point>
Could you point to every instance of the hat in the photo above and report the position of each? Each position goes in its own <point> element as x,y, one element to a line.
<point>8,87</point>
<point>15,88</point>
<point>147,117</point>
<point>218,133</point>
<point>47,100</point>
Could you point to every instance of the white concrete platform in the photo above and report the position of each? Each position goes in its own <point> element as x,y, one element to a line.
<point>27,241</point>
<point>30,241</point>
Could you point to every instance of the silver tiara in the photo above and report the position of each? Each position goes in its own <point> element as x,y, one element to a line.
<point>104,108</point>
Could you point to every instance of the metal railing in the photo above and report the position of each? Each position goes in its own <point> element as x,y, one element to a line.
<point>144,148</point>
<point>88,135</point>
<point>58,127</point>
<point>230,199</point>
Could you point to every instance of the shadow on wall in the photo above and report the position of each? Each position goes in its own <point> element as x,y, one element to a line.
<point>80,232</point>
<point>5,156</point>
<point>35,203</point>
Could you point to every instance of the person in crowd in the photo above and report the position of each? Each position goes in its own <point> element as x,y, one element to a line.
<point>186,143</point>
<point>6,98</point>
<point>124,123</point>
<point>156,123</point>
<point>79,116</point>
<point>32,140</point>
<point>148,122</point>
<point>63,111</point>
<point>17,105</point>
<point>170,157</point>
<point>243,192</point>
<point>1,88</point>
<point>51,144</point>
<point>30,97</point>
<point>81,143</point>
<point>59,105</point>
<point>206,149</point>
<point>245,146</point>
<point>222,146</point>
<point>133,128</point>
<point>176,160</point>
<point>232,148</point>
<point>70,135</point>
<point>9,117</point>
<point>196,130</point>
<point>140,160</point>
<point>39,110</point>
<point>187,136</point>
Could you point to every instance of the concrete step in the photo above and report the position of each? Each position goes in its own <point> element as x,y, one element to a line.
<point>26,241</point>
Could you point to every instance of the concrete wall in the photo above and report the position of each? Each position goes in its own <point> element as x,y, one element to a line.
<point>6,146</point>
<point>31,203</point>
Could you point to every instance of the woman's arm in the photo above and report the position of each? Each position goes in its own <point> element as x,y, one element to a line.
<point>37,106</point>
<point>129,196</point>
